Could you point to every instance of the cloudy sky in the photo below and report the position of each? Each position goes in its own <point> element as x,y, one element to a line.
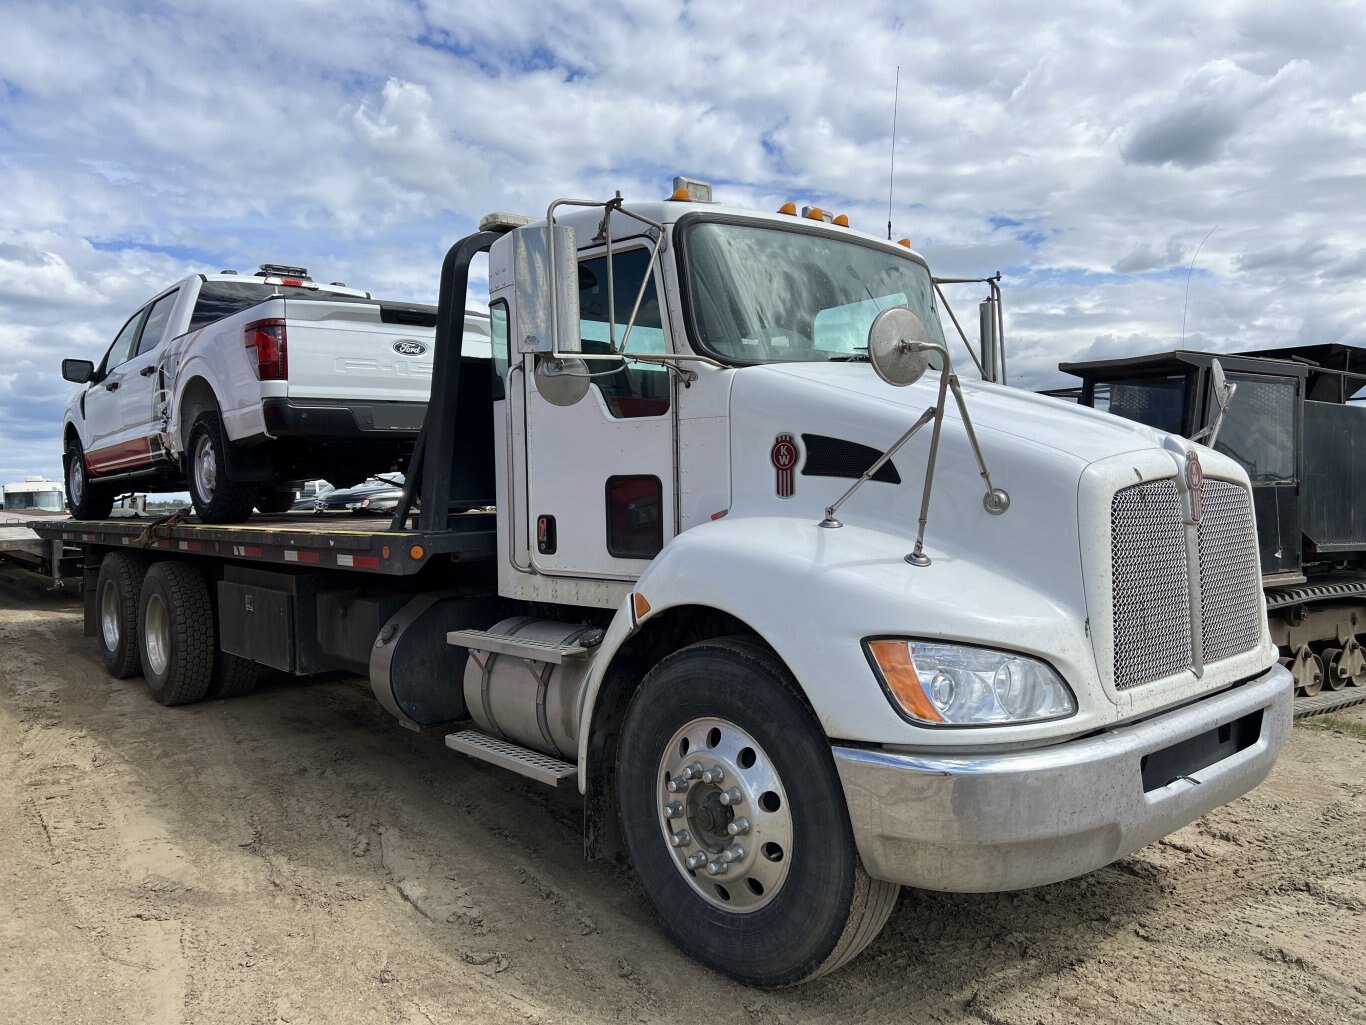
<point>1084,153</point>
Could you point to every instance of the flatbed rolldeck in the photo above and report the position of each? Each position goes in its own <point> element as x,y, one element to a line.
<point>314,540</point>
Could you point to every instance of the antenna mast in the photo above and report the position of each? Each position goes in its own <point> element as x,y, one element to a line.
<point>1189,271</point>
<point>891,173</point>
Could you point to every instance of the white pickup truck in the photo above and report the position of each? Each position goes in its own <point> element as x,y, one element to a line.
<point>237,386</point>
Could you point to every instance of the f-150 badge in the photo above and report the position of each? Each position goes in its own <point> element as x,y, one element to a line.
<point>784,456</point>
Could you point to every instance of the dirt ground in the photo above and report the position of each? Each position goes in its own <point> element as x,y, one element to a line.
<point>296,856</point>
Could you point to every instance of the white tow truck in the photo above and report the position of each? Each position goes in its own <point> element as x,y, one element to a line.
<point>804,619</point>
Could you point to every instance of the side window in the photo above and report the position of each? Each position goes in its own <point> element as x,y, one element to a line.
<point>498,341</point>
<point>628,389</point>
<point>122,350</point>
<point>157,318</point>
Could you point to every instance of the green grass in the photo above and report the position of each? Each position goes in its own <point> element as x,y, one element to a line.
<point>1336,723</point>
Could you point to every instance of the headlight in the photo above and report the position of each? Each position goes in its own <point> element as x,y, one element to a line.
<point>957,685</point>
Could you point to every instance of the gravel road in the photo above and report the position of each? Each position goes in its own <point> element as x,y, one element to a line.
<point>296,856</point>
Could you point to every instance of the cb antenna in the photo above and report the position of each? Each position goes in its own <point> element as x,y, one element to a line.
<point>891,173</point>
<point>1189,271</point>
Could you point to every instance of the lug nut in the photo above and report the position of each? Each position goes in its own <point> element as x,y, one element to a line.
<point>673,810</point>
<point>739,826</point>
<point>678,784</point>
<point>714,775</point>
<point>680,839</point>
<point>716,868</point>
<point>731,797</point>
<point>732,853</point>
<point>696,860</point>
<point>692,771</point>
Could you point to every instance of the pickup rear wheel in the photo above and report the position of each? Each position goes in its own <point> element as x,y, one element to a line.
<point>216,498</point>
<point>274,500</point>
<point>735,820</point>
<point>86,499</point>
<point>176,638</point>
<point>116,607</point>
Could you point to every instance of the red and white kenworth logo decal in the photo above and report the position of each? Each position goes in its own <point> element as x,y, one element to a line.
<point>784,456</point>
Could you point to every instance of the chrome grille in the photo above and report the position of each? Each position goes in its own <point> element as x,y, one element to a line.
<point>1152,621</point>
<point>1230,580</point>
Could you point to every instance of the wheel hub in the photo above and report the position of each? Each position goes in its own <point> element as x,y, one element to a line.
<point>157,634</point>
<point>110,626</point>
<point>724,815</point>
<point>205,468</point>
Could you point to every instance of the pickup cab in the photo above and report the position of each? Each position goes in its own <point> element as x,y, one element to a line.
<point>234,387</point>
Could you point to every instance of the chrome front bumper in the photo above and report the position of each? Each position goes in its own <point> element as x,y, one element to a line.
<point>979,823</point>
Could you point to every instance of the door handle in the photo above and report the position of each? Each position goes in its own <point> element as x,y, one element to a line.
<point>112,386</point>
<point>147,371</point>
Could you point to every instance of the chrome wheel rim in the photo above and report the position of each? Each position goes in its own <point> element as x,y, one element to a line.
<point>109,615</point>
<point>75,478</point>
<point>205,468</point>
<point>156,633</point>
<point>724,815</point>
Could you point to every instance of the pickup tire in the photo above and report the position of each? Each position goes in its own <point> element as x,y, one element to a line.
<point>752,870</point>
<point>176,637</point>
<point>274,500</point>
<point>86,499</point>
<point>216,498</point>
<point>117,590</point>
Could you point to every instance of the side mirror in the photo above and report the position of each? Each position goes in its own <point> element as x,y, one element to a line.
<point>1223,391</point>
<point>899,346</point>
<point>547,291</point>
<point>77,371</point>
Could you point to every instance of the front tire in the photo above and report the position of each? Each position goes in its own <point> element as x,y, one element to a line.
<point>86,499</point>
<point>752,869</point>
<point>216,498</point>
<point>117,591</point>
<point>274,500</point>
<point>176,637</point>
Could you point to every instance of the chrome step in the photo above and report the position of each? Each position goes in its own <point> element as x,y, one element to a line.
<point>521,760</point>
<point>519,647</point>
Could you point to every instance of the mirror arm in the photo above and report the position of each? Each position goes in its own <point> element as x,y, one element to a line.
<point>996,500</point>
<point>918,556</point>
<point>868,474</point>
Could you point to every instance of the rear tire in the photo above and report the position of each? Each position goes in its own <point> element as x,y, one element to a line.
<point>86,499</point>
<point>216,498</point>
<point>116,606</point>
<point>176,637</point>
<point>274,500</point>
<point>788,900</point>
<point>233,676</point>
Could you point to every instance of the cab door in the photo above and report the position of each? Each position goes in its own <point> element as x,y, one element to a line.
<point>600,481</point>
<point>139,384</point>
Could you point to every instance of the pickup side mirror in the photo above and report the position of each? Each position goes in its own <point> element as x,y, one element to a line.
<point>77,371</point>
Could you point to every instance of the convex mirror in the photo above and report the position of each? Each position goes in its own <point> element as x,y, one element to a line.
<point>899,346</point>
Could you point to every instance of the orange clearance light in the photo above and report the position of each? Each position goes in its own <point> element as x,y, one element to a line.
<point>894,659</point>
<point>815,213</point>
<point>788,208</point>
<point>904,242</point>
<point>416,552</point>
<point>842,220</point>
<point>641,606</point>
<point>680,194</point>
<point>384,551</point>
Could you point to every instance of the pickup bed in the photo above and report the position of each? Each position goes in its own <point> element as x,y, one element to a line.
<point>234,387</point>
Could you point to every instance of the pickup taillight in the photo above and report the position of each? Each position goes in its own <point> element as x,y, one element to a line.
<point>268,349</point>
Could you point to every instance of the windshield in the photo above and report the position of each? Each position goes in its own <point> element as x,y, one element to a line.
<point>767,295</point>
<point>1156,401</point>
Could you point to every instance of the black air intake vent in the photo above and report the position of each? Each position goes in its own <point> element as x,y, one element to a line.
<point>835,457</point>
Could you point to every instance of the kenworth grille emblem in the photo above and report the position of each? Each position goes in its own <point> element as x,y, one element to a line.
<point>1195,484</point>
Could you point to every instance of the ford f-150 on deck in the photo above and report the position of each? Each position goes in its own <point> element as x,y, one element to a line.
<point>236,386</point>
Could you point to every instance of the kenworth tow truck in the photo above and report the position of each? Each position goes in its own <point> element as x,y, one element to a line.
<point>719,537</point>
